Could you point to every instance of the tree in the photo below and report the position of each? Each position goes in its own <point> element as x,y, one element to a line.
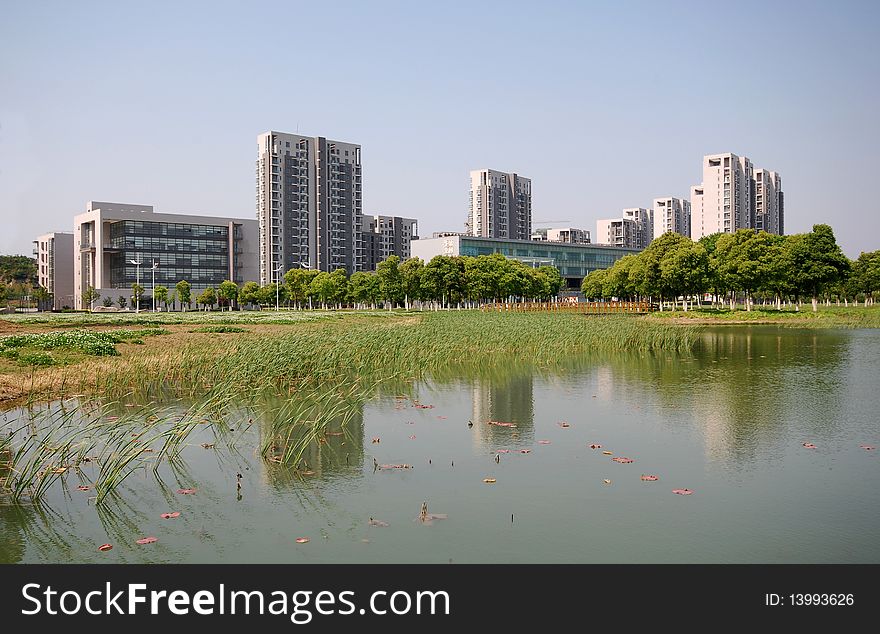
<point>184,293</point>
<point>444,279</point>
<point>555,280</point>
<point>297,283</point>
<point>390,280</point>
<point>593,286</point>
<point>815,261</point>
<point>137,293</point>
<point>18,268</point>
<point>122,301</point>
<point>684,269</point>
<point>161,295</point>
<point>866,274</point>
<point>743,262</point>
<point>364,288</point>
<point>616,280</point>
<point>42,297</point>
<point>249,293</point>
<point>228,291</point>
<point>208,298</point>
<point>411,273</point>
<point>91,295</point>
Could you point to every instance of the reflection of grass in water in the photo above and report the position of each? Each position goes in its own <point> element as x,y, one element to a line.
<point>49,444</point>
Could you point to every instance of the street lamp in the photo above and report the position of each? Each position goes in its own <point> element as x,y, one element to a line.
<point>277,284</point>
<point>137,299</point>
<point>306,265</point>
<point>153,269</point>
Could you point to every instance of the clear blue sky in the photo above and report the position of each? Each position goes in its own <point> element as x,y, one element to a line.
<point>604,105</point>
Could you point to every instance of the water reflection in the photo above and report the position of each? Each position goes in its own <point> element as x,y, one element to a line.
<point>745,400</point>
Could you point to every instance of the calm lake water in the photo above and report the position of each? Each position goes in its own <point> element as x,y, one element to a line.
<point>728,422</point>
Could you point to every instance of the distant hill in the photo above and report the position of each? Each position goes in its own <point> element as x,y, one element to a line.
<point>18,268</point>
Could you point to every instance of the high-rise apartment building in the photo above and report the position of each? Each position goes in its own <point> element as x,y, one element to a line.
<point>619,232</point>
<point>384,236</point>
<point>633,230</point>
<point>308,204</point>
<point>769,212</point>
<point>671,214</point>
<point>727,198</point>
<point>500,205</point>
<point>569,235</point>
<point>54,254</point>
<point>644,219</point>
<point>203,250</point>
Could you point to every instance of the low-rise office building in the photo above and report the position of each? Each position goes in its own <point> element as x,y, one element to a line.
<point>573,260</point>
<point>54,254</point>
<point>203,250</point>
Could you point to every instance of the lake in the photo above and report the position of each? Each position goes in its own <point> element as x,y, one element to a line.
<point>728,422</point>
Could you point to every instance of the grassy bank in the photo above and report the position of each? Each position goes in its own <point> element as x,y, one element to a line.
<point>826,317</point>
<point>344,349</point>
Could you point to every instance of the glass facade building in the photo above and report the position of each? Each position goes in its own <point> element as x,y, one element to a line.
<point>196,253</point>
<point>574,261</point>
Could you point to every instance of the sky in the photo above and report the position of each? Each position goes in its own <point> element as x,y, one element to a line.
<point>604,105</point>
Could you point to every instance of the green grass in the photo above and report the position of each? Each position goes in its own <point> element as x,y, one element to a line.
<point>826,317</point>
<point>80,320</point>
<point>65,347</point>
<point>346,351</point>
<point>220,329</point>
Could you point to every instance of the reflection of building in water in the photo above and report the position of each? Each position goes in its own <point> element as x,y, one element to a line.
<point>605,383</point>
<point>508,399</point>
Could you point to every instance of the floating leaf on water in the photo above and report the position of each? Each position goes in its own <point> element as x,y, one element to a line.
<point>413,437</point>
<point>682,491</point>
<point>419,406</point>
<point>307,473</point>
<point>606,481</point>
<point>395,466</point>
<point>334,433</point>
<point>442,417</point>
<point>168,516</point>
<point>608,453</point>
<point>489,480</point>
<point>543,442</point>
<point>275,459</point>
<point>525,451</point>
<point>207,445</point>
<point>502,451</point>
<point>83,488</point>
<point>376,440</point>
<point>378,523</point>
<point>622,460</point>
<point>105,547</point>
<point>564,425</point>
<point>809,445</point>
<point>649,478</point>
<point>59,470</point>
<point>147,540</point>
<point>501,424</point>
<point>186,491</point>
<point>867,447</point>
<point>302,540</point>
<point>595,446</point>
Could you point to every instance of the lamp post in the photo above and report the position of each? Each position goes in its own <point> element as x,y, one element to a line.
<point>137,299</point>
<point>305,265</point>
<point>277,284</point>
<point>153,269</point>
